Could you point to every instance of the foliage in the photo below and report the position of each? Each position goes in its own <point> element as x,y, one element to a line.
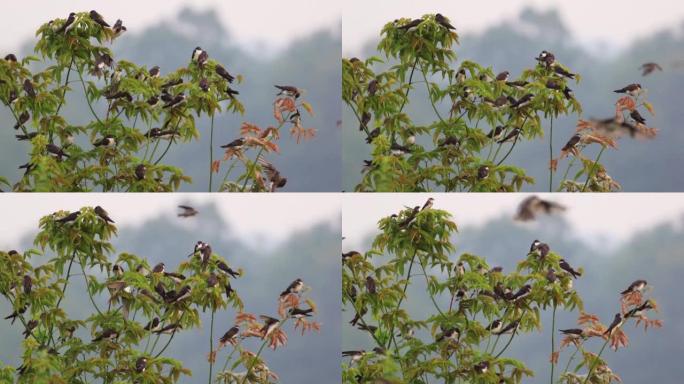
<point>145,113</point>
<point>450,344</point>
<point>124,341</point>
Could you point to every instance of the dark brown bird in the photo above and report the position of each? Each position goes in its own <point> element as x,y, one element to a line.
<point>372,87</point>
<point>631,89</point>
<point>67,24</point>
<point>443,21</point>
<point>370,285</point>
<point>288,90</point>
<point>159,268</point>
<point>103,214</point>
<point>495,134</point>
<point>512,136</point>
<point>69,218</point>
<point>235,144</point>
<point>230,337</point>
<point>28,284</point>
<point>533,205</point>
<point>636,286</point>
<point>30,326</point>
<point>204,85</point>
<point>294,287</point>
<point>648,68</point>
<point>637,117</point>
<point>225,268</point>
<point>503,76</point>
<point>98,19</point>
<point>23,118</point>
<point>412,215</point>
<point>140,171</point>
<point>412,24</point>
<point>567,268</point>
<point>188,211</point>
<point>561,71</point>
<point>154,71</point>
<point>206,252</point>
<point>547,58</point>
<point>107,334</point>
<point>572,142</point>
<point>118,27</point>
<point>617,322</point>
<point>270,324</point>
<point>28,88</point>
<point>141,364</point>
<point>153,325</point>
<point>26,137</point>
<point>223,73</point>
<point>11,57</point>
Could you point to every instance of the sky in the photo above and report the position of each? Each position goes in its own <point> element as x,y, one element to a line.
<point>616,22</point>
<point>610,217</point>
<point>258,219</point>
<point>264,23</point>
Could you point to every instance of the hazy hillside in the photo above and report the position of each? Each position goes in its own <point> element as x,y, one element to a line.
<point>637,165</point>
<point>311,166</point>
<point>653,255</point>
<point>310,255</point>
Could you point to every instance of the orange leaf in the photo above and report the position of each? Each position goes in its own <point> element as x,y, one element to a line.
<point>215,166</point>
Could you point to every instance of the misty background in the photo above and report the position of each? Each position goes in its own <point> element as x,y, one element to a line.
<point>297,43</point>
<point>652,253</point>
<point>604,42</point>
<point>307,249</point>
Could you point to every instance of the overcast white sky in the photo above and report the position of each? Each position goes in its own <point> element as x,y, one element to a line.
<point>616,22</point>
<point>614,216</point>
<point>258,219</point>
<point>269,23</point>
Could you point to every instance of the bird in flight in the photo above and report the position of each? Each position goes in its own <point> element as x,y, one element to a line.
<point>187,211</point>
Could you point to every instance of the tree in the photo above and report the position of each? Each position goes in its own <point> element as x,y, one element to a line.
<point>454,152</point>
<point>146,307</point>
<point>145,114</point>
<point>465,341</point>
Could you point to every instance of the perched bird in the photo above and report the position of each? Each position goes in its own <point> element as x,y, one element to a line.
<point>288,90</point>
<point>639,311</point>
<point>176,277</point>
<point>30,326</point>
<point>412,24</point>
<point>450,141</point>
<point>524,291</point>
<point>617,322</point>
<point>523,101</point>
<point>546,58</point>
<point>140,171</point>
<point>503,76</point>
<point>370,285</point>
<point>68,23</point>
<point>196,53</point>
<point>561,71</point>
<point>428,204</point>
<point>443,21</point>
<point>294,287</point>
<point>299,313</point>
<point>365,119</point>
<point>553,84</point>
<point>519,84</point>
<point>23,118</point>
<point>98,19</point>
<point>118,27</point>
<point>175,101</point>
<point>461,75</point>
<point>399,150</point>
<point>459,269</point>
<point>212,280</point>
<point>574,140</point>
<point>631,89</point>
<point>481,367</point>
<point>354,355</point>
<point>108,141</point>
<point>171,83</point>
<point>510,327</point>
<point>551,275</point>
<point>169,329</point>
<point>228,290</point>
<point>482,172</point>
<point>235,144</point>
<point>103,214</point>
<point>533,205</point>
<point>27,136</point>
<point>183,294</point>
<point>636,286</point>
<point>223,73</point>
<point>567,268</point>
<point>28,88</point>
<point>153,101</point>
<point>450,334</point>
<point>159,268</point>
<point>12,97</point>
<point>69,218</point>
<point>119,95</point>
<point>409,218</point>
<point>270,324</point>
<point>574,333</point>
<point>11,57</point>
<point>495,133</point>
<point>496,326</point>
<point>154,71</point>
<point>231,92</point>
<point>230,337</point>
<point>27,284</point>
<point>188,211</point>
<point>153,325</point>
<point>637,117</point>
<point>206,252</point>
<point>350,254</point>
<point>141,364</point>
<point>107,334</point>
<point>204,85</point>
<point>512,136</point>
<point>648,68</point>
<point>117,270</point>
<point>539,248</point>
<point>372,87</point>
<point>567,92</point>
<point>14,315</point>
<point>225,268</point>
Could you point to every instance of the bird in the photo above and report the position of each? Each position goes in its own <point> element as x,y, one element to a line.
<point>409,218</point>
<point>225,268</point>
<point>533,205</point>
<point>14,315</point>
<point>204,85</point>
<point>443,21</point>
<point>171,83</point>
<point>617,322</point>
<point>69,218</point>
<point>574,333</point>
<point>539,248</point>
<point>274,177</point>
<point>519,84</point>
<point>153,325</point>
<point>235,144</point>
<point>27,136</point>
<point>459,269</point>
<point>228,290</point>
<point>30,326</point>
<point>231,92</point>
<point>169,329</point>
<point>27,284</point>
<point>206,253</point>
<point>140,171</point>
<point>212,280</point>
<point>636,286</point>
<point>450,141</point>
<point>483,172</point>
<point>117,270</point>
<point>567,268</point>
<point>230,337</point>
<point>119,95</point>
<point>511,326</point>
<point>372,87</point>
<point>547,58</point>
<point>223,73</point>
<point>551,275</point>
<point>107,334</point>
<point>159,268</point>
<point>639,311</point>
<point>568,93</point>
<point>270,324</point>
<point>561,71</point>
<point>495,326</point>
<point>399,150</point>
<point>11,57</point>
<point>523,101</point>
<point>637,117</point>
<point>631,89</point>
<point>103,214</point>
<point>118,27</point>
<point>294,287</point>
<point>428,204</point>
<point>288,90</point>
<point>23,118</point>
<point>188,211</point>
<point>108,141</point>
<point>451,334</point>
<point>370,285</point>
<point>495,133</point>
<point>299,313</point>
<point>196,53</point>
<point>574,140</point>
<point>154,71</point>
<point>354,355</point>
<point>522,292</point>
<point>141,364</point>
<point>67,24</point>
<point>481,367</point>
<point>98,19</point>
<point>28,88</point>
<point>176,277</point>
<point>181,295</point>
<point>648,68</point>
<point>412,24</point>
<point>175,101</point>
<point>503,76</point>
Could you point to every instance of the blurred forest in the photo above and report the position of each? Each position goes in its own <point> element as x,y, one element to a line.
<point>310,255</point>
<point>311,63</point>
<point>653,255</point>
<point>638,165</point>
